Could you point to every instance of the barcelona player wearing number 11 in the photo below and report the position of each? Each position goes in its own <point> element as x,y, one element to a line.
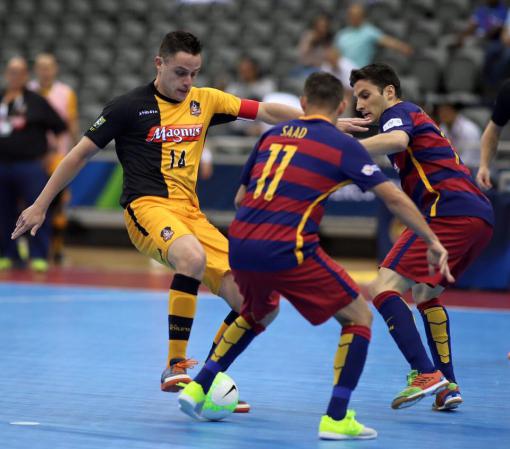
<point>274,246</point>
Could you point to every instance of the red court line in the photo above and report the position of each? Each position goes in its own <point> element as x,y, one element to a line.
<point>161,281</point>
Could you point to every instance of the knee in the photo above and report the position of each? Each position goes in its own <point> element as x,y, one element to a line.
<point>363,316</point>
<point>374,288</point>
<point>189,261</point>
<point>366,318</point>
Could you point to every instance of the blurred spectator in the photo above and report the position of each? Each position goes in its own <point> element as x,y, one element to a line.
<point>64,100</point>
<point>486,23</point>
<point>314,44</point>
<point>341,67</point>
<point>491,135</point>
<point>463,133</point>
<point>252,85</point>
<point>359,40</point>
<point>25,119</point>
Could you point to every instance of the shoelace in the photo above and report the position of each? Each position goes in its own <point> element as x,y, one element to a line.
<point>185,364</point>
<point>411,376</point>
<point>421,379</point>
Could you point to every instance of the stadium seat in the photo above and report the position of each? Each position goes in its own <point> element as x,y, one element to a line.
<point>411,89</point>
<point>383,11</point>
<point>427,66</point>
<point>396,60</point>
<point>395,28</point>
<point>479,114</point>
<point>424,34</point>
<point>462,73</point>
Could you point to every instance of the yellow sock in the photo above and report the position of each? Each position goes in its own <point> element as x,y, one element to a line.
<point>182,304</point>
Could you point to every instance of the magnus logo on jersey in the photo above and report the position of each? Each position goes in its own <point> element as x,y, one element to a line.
<point>183,133</point>
<point>194,108</point>
<point>167,233</point>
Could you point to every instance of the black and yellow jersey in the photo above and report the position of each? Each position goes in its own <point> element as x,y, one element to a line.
<point>159,141</point>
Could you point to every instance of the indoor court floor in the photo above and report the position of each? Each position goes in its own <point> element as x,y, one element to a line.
<point>80,367</point>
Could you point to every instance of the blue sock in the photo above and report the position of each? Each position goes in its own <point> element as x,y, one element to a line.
<point>348,366</point>
<point>437,326</point>
<point>233,342</point>
<point>400,321</point>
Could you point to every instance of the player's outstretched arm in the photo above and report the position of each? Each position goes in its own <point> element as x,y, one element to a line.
<point>405,210</point>
<point>488,149</point>
<point>386,143</point>
<point>274,113</point>
<point>33,217</point>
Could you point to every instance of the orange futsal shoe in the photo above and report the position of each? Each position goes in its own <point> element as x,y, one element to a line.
<point>175,377</point>
<point>448,399</point>
<point>418,386</point>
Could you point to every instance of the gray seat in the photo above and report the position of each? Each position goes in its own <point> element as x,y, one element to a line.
<point>462,73</point>
<point>411,90</point>
<point>73,30</point>
<point>399,62</point>
<point>395,28</point>
<point>132,31</point>
<point>427,66</point>
<point>70,58</point>
<point>382,11</point>
<point>424,34</point>
<point>479,114</point>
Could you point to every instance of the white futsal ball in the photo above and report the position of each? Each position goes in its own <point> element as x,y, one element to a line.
<point>222,398</point>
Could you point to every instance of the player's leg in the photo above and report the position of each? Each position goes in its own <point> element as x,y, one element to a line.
<point>217,276</point>
<point>8,215</point>
<point>259,310</point>
<point>396,276</point>
<point>33,180</point>
<point>229,291</point>
<point>319,288</point>
<point>159,232</point>
<point>437,327</point>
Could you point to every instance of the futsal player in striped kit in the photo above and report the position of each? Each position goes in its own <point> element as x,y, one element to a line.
<point>274,246</point>
<point>434,177</point>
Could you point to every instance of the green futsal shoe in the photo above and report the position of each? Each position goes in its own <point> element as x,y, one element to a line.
<point>5,263</point>
<point>344,429</point>
<point>39,265</point>
<point>191,399</point>
<point>418,386</point>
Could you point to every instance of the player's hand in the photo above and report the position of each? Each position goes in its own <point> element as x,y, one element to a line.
<point>31,219</point>
<point>437,258</point>
<point>241,192</point>
<point>483,178</point>
<point>350,125</point>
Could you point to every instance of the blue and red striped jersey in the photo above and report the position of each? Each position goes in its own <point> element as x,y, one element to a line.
<point>431,172</point>
<point>289,175</point>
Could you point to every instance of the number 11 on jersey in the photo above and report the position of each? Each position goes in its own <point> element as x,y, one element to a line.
<point>274,150</point>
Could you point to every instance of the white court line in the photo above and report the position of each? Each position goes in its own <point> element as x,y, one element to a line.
<point>25,423</point>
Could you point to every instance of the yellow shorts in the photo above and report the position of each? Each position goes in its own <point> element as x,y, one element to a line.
<point>153,223</point>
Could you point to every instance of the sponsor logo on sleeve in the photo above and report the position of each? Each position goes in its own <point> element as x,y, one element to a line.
<point>176,134</point>
<point>194,108</point>
<point>369,170</point>
<point>392,123</point>
<point>97,123</point>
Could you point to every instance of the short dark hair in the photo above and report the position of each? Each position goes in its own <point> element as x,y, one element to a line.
<point>381,75</point>
<point>176,41</point>
<point>324,89</point>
